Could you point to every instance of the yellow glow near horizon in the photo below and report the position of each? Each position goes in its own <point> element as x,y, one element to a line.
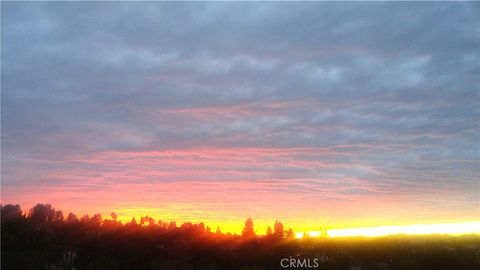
<point>417,229</point>
<point>235,226</point>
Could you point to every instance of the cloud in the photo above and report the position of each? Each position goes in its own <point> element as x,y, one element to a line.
<point>380,98</point>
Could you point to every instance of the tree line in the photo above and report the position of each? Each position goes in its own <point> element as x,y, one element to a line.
<point>42,214</point>
<point>51,240</point>
<point>43,238</point>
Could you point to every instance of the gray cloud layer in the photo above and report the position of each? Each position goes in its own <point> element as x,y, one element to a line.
<point>390,89</point>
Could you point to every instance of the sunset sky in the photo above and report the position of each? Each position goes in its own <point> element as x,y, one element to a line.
<point>317,114</point>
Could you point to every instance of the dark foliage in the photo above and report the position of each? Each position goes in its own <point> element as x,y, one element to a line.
<point>44,240</point>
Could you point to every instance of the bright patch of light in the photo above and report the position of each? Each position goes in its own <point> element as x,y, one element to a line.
<point>419,229</point>
<point>299,234</point>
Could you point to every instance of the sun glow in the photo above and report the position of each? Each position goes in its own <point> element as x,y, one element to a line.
<point>417,229</point>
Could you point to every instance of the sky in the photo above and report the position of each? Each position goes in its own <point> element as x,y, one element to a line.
<point>317,114</point>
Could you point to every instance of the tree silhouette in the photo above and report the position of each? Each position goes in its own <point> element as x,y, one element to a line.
<point>172,225</point>
<point>72,218</point>
<point>94,243</point>
<point>290,234</point>
<point>85,218</point>
<point>133,222</point>
<point>58,216</point>
<point>269,231</point>
<point>96,220</point>
<point>42,213</point>
<point>278,229</point>
<point>201,226</point>
<point>248,231</point>
<point>147,220</point>
<point>11,212</point>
